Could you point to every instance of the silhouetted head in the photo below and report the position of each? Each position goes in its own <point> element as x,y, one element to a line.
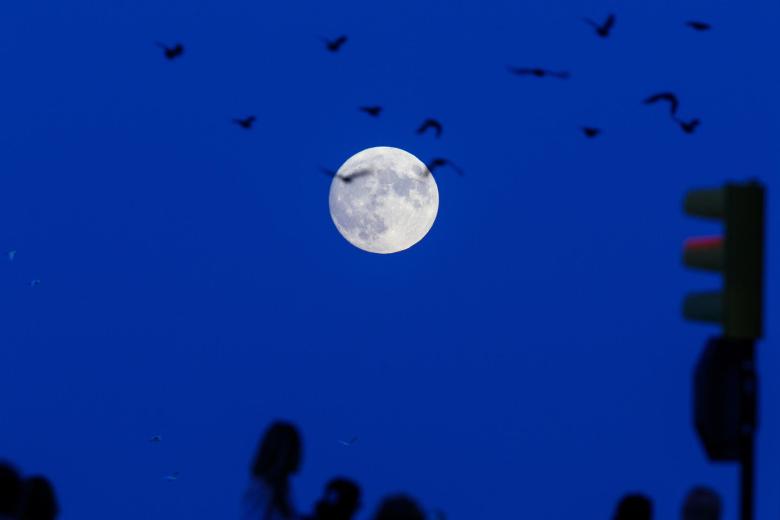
<point>340,502</point>
<point>701,503</point>
<point>399,507</point>
<point>40,502</point>
<point>10,491</point>
<point>634,507</point>
<point>278,455</point>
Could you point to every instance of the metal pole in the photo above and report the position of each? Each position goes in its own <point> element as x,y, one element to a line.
<point>749,391</point>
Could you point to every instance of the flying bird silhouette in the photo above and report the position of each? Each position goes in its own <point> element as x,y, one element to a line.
<point>604,29</point>
<point>11,255</point>
<point>591,132</point>
<point>373,111</point>
<point>35,283</point>
<point>155,439</point>
<point>438,162</point>
<point>538,73</point>
<point>431,123</point>
<point>348,179</point>
<point>688,127</point>
<point>349,443</point>
<point>171,52</point>
<point>173,476</point>
<point>245,122</point>
<point>698,26</point>
<point>335,44</point>
<point>668,97</point>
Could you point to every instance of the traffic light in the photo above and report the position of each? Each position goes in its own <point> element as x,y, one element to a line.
<point>724,400</point>
<point>737,254</point>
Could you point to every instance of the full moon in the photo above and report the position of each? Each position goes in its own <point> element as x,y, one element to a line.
<point>383,200</point>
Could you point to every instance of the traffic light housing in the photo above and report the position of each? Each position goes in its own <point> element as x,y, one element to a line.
<point>724,398</point>
<point>737,254</point>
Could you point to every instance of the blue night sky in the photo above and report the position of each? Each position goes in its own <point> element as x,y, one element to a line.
<point>527,359</point>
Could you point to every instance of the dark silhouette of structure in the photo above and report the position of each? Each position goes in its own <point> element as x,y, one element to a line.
<point>373,111</point>
<point>538,73</point>
<point>688,127</point>
<point>666,97</point>
<point>634,507</point>
<point>701,503</point>
<point>399,507</point>
<point>340,501</point>
<point>40,501</point>
<point>246,122</point>
<point>698,26</point>
<point>171,53</point>
<point>604,29</point>
<point>10,491</point>
<point>278,457</point>
<point>335,44</point>
<point>590,132</point>
<point>438,162</point>
<point>431,123</point>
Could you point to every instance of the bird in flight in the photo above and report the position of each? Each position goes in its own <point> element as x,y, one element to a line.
<point>604,29</point>
<point>431,123</point>
<point>538,73</point>
<point>35,283</point>
<point>173,476</point>
<point>688,127</point>
<point>668,97</point>
<point>155,439</point>
<point>349,443</point>
<point>591,132</point>
<point>348,179</point>
<point>245,122</point>
<point>335,44</point>
<point>438,162</point>
<point>11,255</point>
<point>373,111</point>
<point>698,26</point>
<point>171,53</point>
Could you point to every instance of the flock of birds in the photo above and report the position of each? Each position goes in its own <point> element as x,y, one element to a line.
<point>601,29</point>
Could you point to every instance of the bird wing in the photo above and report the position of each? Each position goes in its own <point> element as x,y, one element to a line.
<point>591,23</point>
<point>520,71</point>
<point>699,26</point>
<point>355,175</point>
<point>609,23</point>
<point>457,169</point>
<point>560,74</point>
<point>664,96</point>
<point>328,172</point>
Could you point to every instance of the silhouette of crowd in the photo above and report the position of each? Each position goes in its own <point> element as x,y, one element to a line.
<point>268,494</point>
<point>30,498</point>
<point>279,456</point>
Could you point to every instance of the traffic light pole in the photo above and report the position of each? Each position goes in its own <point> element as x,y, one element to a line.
<point>749,390</point>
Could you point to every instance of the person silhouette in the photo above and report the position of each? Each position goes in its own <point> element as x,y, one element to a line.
<point>10,491</point>
<point>701,503</point>
<point>399,507</point>
<point>340,501</point>
<point>278,456</point>
<point>634,506</point>
<point>40,502</point>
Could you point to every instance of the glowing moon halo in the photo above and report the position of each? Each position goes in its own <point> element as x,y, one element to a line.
<point>383,200</point>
